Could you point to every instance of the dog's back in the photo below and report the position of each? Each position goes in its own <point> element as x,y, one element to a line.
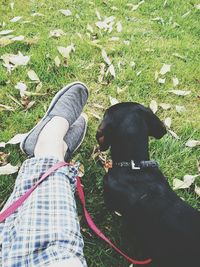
<point>168,229</point>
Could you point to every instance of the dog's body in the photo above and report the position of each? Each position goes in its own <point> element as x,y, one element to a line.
<point>167,228</point>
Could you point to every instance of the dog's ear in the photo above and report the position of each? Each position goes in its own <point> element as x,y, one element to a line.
<point>155,126</point>
<point>103,134</point>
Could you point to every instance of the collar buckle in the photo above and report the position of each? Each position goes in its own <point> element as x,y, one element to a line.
<point>133,167</point>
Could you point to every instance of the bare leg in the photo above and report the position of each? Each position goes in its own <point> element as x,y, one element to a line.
<point>50,141</point>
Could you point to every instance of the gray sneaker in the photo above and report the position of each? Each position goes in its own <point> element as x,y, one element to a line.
<point>75,135</point>
<point>67,103</point>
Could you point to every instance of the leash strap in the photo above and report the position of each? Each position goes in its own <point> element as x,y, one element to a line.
<point>15,205</point>
<point>96,230</point>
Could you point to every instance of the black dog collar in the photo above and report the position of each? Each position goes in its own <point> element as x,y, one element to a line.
<point>137,165</point>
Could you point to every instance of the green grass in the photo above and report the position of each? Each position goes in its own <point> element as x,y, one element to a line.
<point>152,43</point>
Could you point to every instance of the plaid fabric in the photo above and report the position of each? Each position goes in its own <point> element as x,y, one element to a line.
<point>45,229</point>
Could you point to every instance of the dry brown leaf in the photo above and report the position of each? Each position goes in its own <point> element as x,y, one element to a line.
<point>8,169</point>
<point>180,92</point>
<point>165,68</point>
<point>188,180</point>
<point>192,143</point>
<point>153,106</point>
<point>3,158</point>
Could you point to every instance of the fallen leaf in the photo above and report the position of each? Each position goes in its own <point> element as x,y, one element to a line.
<point>5,107</point>
<point>102,72</point>
<point>133,64</point>
<point>117,213</point>
<point>105,57</point>
<point>161,81</point>
<point>197,6</point>
<point>168,122</point>
<point>12,5</point>
<point>65,51</point>
<point>15,19</point>
<point>165,106</point>
<point>175,81</point>
<point>99,106</point>
<point>57,61</point>
<point>8,169</point>
<point>111,69</point>
<point>18,38</point>
<point>56,33</point>
<point>33,76</point>
<point>119,26</point>
<point>135,7</point>
<point>81,171</point>
<point>180,92</point>
<point>180,109</point>
<point>192,143</point>
<point>3,158</point>
<point>188,180</point>
<point>95,115</point>
<point>38,87</point>
<point>5,32</point>
<point>12,61</point>
<point>159,19</point>
<point>113,101</point>
<point>89,28</point>
<point>21,87</point>
<point>197,190</point>
<point>153,106</point>
<point>179,56</point>
<point>2,144</point>
<point>98,14</point>
<point>165,68</point>
<point>173,134</point>
<point>16,139</point>
<point>66,12</point>
<point>36,14</point>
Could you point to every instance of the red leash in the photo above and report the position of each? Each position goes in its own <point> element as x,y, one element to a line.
<point>96,230</point>
<point>15,205</point>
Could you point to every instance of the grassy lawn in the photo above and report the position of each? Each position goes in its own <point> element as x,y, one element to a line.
<point>155,33</point>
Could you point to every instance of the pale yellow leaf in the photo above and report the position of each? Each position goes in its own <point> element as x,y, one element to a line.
<point>8,169</point>
<point>105,57</point>
<point>161,80</point>
<point>180,109</point>
<point>197,190</point>
<point>173,134</point>
<point>33,76</point>
<point>5,32</point>
<point>57,61</point>
<point>175,81</point>
<point>21,87</point>
<point>16,139</point>
<point>153,106</point>
<point>168,122</point>
<point>165,106</point>
<point>65,51</point>
<point>192,143</point>
<point>180,92</point>
<point>56,33</point>
<point>66,12</point>
<point>188,180</point>
<point>165,68</point>
<point>113,101</point>
<point>15,19</point>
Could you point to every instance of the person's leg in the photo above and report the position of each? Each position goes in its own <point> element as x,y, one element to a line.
<point>45,230</point>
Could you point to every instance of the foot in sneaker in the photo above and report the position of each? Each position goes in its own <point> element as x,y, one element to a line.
<point>68,103</point>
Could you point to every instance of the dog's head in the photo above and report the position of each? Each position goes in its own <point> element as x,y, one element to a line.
<point>128,119</point>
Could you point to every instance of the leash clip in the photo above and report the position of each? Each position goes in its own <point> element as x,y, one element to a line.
<point>133,167</point>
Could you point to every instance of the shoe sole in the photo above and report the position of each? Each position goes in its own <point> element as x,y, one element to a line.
<point>54,100</point>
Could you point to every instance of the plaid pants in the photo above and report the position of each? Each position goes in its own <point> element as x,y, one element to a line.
<point>45,229</point>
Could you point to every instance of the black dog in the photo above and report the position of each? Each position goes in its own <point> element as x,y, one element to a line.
<point>167,227</point>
